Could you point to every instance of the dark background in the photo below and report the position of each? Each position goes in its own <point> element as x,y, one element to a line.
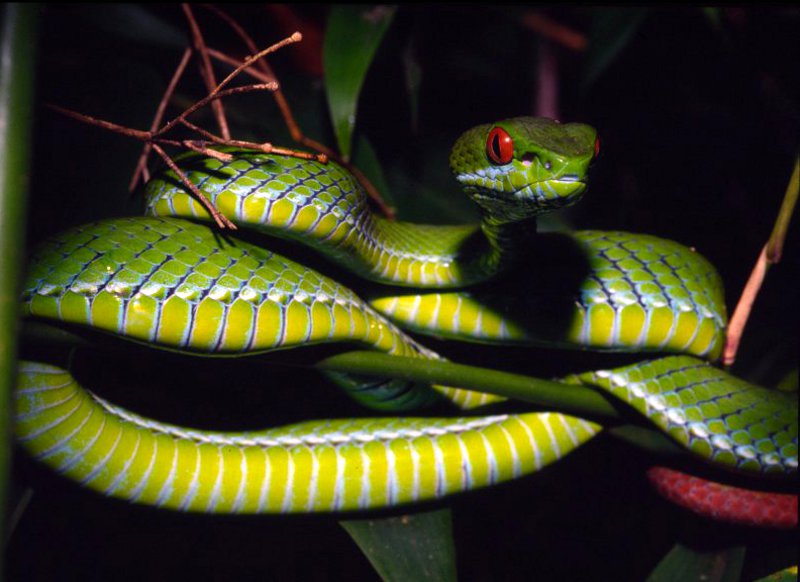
<point>698,115</point>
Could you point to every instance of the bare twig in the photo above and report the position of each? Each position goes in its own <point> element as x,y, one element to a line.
<point>264,72</point>
<point>206,70</point>
<point>778,236</point>
<point>130,132</point>
<point>141,171</point>
<point>555,31</point>
<point>263,67</point>
<point>221,220</point>
<point>265,147</point>
<point>770,254</point>
<point>209,98</point>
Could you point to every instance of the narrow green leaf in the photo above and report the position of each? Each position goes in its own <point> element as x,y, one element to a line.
<point>134,22</point>
<point>413,78</point>
<point>786,575</point>
<point>682,563</point>
<point>418,546</point>
<point>17,54</point>
<point>351,41</point>
<point>611,29</point>
<point>365,159</point>
<point>713,15</point>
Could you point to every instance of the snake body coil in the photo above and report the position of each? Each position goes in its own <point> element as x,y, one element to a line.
<point>175,284</point>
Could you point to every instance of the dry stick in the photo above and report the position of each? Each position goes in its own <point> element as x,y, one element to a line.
<point>770,255</point>
<point>286,111</point>
<point>297,135</point>
<point>206,151</point>
<point>263,65</point>
<point>141,167</point>
<point>206,70</point>
<point>135,133</point>
<point>555,31</point>
<point>209,98</point>
<point>221,220</point>
<point>778,236</point>
<point>218,92</point>
<point>265,147</point>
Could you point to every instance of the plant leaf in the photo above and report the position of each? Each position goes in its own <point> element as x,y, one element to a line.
<point>418,546</point>
<point>366,159</point>
<point>351,41</point>
<point>611,30</point>
<point>683,563</point>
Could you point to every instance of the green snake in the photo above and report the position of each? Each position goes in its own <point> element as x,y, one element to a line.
<point>168,281</point>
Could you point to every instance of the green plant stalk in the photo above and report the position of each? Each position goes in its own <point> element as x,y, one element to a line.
<point>553,395</point>
<point>17,47</point>
<point>578,400</point>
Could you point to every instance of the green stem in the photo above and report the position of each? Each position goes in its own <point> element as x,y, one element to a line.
<point>17,44</point>
<point>553,395</point>
<point>578,400</point>
<point>778,236</point>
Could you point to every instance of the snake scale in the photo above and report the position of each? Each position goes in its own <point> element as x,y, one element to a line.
<point>169,280</point>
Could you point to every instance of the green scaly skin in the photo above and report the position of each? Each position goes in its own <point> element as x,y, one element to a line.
<point>321,205</point>
<point>629,292</point>
<point>358,464</point>
<point>178,285</point>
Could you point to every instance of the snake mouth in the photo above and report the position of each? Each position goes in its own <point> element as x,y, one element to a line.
<point>564,189</point>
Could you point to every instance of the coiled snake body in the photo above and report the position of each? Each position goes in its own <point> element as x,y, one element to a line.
<point>176,284</point>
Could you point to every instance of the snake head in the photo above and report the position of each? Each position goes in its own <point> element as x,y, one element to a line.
<point>525,166</point>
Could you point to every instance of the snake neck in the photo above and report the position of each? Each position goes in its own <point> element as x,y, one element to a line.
<point>323,207</point>
<point>409,254</point>
<point>505,243</point>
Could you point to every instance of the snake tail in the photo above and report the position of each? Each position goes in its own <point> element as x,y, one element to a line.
<point>716,416</point>
<point>724,502</point>
<point>316,466</point>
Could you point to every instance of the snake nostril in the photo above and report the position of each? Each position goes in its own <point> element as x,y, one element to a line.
<point>528,158</point>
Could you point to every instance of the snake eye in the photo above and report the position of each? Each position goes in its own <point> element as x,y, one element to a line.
<point>596,147</point>
<point>499,146</point>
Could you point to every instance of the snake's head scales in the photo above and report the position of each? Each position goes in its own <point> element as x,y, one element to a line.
<point>525,166</point>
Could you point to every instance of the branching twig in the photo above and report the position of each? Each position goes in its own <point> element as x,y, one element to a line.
<point>156,136</point>
<point>221,220</point>
<point>141,167</point>
<point>206,70</point>
<point>264,73</point>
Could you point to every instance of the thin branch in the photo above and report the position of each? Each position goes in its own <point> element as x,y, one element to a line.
<point>141,171</point>
<point>253,72</point>
<point>280,99</point>
<point>741,314</point>
<point>211,97</point>
<point>555,31</point>
<point>221,220</point>
<point>206,70</point>
<point>293,38</point>
<point>778,236</point>
<point>201,148</point>
<point>771,254</point>
<point>130,132</point>
<point>265,147</point>
<point>266,73</point>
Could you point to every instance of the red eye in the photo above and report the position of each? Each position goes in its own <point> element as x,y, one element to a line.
<point>499,146</point>
<point>596,147</point>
